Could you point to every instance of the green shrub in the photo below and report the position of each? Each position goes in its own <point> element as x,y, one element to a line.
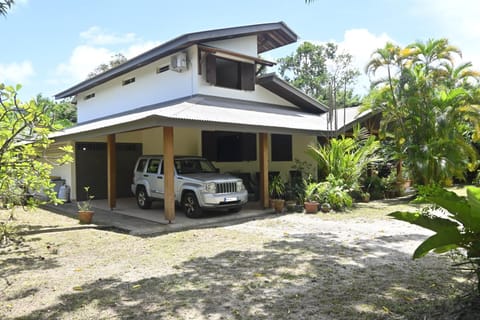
<point>455,221</point>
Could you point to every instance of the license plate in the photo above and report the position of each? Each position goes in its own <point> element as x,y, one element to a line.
<point>230,199</point>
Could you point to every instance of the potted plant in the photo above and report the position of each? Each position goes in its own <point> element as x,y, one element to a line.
<point>311,196</point>
<point>277,193</point>
<point>85,212</point>
<point>365,196</point>
<point>325,207</point>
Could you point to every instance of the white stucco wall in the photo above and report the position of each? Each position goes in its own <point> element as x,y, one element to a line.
<point>149,88</point>
<point>187,141</point>
<point>65,171</point>
<point>244,45</point>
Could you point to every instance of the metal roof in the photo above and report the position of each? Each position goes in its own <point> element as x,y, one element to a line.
<point>269,36</point>
<point>210,113</point>
<point>285,90</point>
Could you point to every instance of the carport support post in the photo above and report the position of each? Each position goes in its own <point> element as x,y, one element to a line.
<point>111,171</point>
<point>168,170</point>
<point>263,145</point>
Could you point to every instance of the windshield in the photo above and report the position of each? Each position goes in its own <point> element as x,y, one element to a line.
<point>185,166</point>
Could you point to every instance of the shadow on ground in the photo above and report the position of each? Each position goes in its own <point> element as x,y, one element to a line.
<point>308,276</point>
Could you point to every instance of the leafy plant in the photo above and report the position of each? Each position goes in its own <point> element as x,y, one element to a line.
<point>427,101</point>
<point>24,138</point>
<point>311,191</point>
<point>87,204</point>
<point>334,194</point>
<point>346,158</point>
<point>276,189</point>
<point>455,221</point>
<point>375,186</point>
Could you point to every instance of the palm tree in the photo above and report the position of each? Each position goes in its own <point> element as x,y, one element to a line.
<point>426,101</point>
<point>5,5</point>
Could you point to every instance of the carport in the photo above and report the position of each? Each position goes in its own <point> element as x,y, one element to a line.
<point>203,112</point>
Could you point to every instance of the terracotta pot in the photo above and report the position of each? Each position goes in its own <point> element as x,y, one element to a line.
<point>311,206</point>
<point>85,216</point>
<point>278,205</point>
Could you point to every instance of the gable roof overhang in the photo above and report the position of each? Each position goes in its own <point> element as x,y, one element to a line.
<point>269,36</point>
<point>288,92</point>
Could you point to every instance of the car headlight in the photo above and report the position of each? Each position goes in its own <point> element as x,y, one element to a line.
<point>210,187</point>
<point>240,186</point>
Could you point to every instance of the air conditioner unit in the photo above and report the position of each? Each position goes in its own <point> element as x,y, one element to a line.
<point>178,62</point>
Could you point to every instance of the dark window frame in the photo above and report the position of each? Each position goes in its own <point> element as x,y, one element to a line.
<point>282,147</point>
<point>245,73</point>
<point>229,146</point>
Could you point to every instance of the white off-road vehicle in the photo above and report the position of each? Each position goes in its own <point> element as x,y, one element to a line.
<point>198,185</point>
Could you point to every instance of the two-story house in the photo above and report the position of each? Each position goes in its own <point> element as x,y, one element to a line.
<point>198,94</point>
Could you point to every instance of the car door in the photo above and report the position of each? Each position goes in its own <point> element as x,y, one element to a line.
<point>155,179</point>
<point>177,182</point>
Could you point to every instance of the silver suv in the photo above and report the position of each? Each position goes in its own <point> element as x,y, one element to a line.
<point>198,185</point>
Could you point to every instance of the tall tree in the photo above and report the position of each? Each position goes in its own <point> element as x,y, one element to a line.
<point>5,5</point>
<point>426,102</point>
<point>318,70</point>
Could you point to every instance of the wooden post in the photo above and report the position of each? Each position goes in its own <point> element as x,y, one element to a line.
<point>111,171</point>
<point>168,170</point>
<point>263,150</point>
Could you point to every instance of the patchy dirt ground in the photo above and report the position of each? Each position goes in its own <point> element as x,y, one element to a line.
<point>353,265</point>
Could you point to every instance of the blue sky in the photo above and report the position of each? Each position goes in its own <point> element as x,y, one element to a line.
<point>51,45</point>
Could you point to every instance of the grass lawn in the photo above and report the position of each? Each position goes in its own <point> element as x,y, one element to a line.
<point>354,265</point>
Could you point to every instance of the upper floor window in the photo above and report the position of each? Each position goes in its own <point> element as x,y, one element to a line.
<point>128,81</point>
<point>89,96</point>
<point>229,73</point>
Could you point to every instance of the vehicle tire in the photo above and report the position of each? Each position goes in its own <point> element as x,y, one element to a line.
<point>143,200</point>
<point>190,205</point>
<point>235,210</point>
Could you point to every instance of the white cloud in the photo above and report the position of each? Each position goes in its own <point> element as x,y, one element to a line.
<point>138,48</point>
<point>456,20</point>
<point>84,59</point>
<point>100,46</point>
<point>98,36</point>
<point>15,73</point>
<point>360,43</point>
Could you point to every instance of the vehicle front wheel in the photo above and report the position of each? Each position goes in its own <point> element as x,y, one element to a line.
<point>190,205</point>
<point>143,200</point>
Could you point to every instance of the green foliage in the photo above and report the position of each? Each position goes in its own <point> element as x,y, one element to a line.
<point>311,191</point>
<point>63,114</point>
<point>7,232</point>
<point>24,130</point>
<point>346,158</point>
<point>87,204</point>
<point>427,103</point>
<point>5,5</point>
<point>375,186</point>
<point>115,61</point>
<point>276,189</point>
<point>455,221</point>
<point>333,193</point>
